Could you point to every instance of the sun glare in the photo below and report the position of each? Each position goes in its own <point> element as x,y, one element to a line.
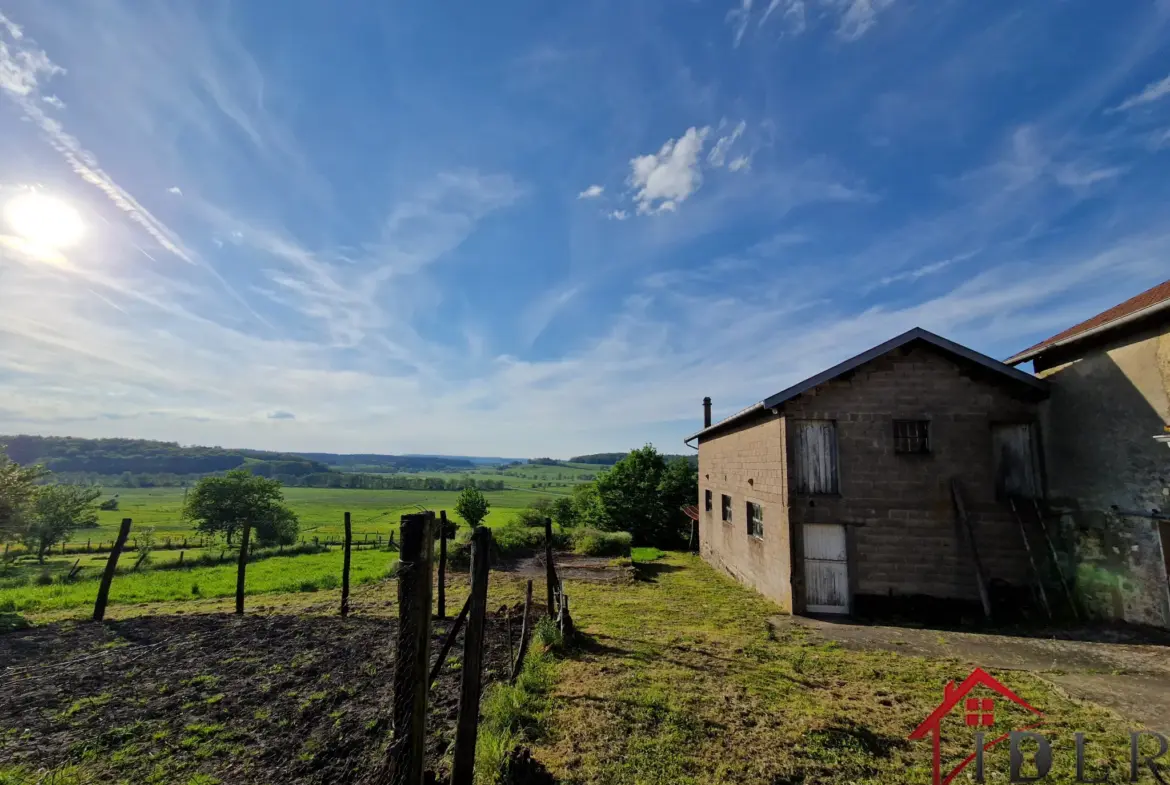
<point>44,220</point>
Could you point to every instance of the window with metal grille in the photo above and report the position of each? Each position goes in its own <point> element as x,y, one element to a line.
<point>726,508</point>
<point>911,437</point>
<point>708,503</point>
<point>755,520</point>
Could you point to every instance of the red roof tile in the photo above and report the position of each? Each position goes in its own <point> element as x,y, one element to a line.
<point>1150,297</point>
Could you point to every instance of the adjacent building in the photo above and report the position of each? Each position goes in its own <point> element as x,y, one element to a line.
<point>840,491</point>
<point>1108,466</point>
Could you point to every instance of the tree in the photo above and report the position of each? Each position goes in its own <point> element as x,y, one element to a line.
<point>678,487</point>
<point>564,513</point>
<point>55,512</point>
<point>587,508</point>
<point>629,495</point>
<point>221,505</point>
<point>472,506</point>
<point>18,487</point>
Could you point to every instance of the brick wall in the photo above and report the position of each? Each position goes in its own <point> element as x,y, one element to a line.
<point>898,508</point>
<point>748,464</point>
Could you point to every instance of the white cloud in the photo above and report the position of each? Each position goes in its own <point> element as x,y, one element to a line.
<point>739,18</point>
<point>793,16</point>
<point>669,177</point>
<point>718,154</point>
<point>618,215</point>
<point>742,162</point>
<point>858,16</point>
<point>1154,91</point>
<point>53,101</point>
<point>176,190</point>
<point>592,192</point>
<point>1073,176</point>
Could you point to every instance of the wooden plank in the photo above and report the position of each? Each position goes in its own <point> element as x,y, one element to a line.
<point>242,566</point>
<point>550,574</point>
<point>99,607</point>
<point>1031,559</point>
<point>442,610</point>
<point>448,641</point>
<point>524,635</point>
<point>467,723</point>
<point>969,532</point>
<point>345,568</point>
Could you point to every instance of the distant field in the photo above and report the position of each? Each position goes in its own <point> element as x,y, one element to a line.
<point>321,510</point>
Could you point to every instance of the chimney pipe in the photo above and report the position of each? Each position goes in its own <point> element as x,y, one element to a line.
<point>707,412</point>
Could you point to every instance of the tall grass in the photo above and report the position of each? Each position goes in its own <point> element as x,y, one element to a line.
<point>512,714</point>
<point>273,574</point>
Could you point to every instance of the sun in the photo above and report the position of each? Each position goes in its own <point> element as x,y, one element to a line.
<point>44,221</point>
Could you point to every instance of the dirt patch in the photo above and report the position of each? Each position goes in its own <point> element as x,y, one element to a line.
<point>571,567</point>
<point>252,699</point>
<point>1133,679</point>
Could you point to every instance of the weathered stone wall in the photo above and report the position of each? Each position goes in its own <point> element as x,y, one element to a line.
<point>898,507</point>
<point>748,463</point>
<point>1108,401</point>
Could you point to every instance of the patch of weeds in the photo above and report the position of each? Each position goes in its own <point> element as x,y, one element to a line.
<point>206,680</point>
<point>10,622</point>
<point>511,714</point>
<point>85,704</point>
<point>549,634</point>
<point>214,699</point>
<point>202,779</point>
<point>261,714</point>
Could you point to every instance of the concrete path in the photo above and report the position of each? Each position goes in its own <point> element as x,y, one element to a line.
<point>1132,679</point>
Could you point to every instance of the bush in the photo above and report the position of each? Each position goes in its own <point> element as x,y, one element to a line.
<point>44,579</point>
<point>591,542</point>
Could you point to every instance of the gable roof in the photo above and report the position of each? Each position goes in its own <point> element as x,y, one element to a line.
<point>1148,302</point>
<point>978,678</point>
<point>916,334</point>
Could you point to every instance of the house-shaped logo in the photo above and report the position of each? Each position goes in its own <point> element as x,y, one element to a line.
<point>979,712</point>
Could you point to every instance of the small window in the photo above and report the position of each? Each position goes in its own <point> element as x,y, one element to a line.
<point>755,520</point>
<point>708,500</point>
<point>726,508</point>
<point>911,437</point>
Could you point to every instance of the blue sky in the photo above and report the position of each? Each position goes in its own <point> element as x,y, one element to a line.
<point>551,228</point>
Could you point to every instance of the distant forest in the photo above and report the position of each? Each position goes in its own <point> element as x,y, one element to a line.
<point>141,463</point>
<point>610,458</point>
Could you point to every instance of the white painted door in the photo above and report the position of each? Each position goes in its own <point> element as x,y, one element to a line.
<point>826,568</point>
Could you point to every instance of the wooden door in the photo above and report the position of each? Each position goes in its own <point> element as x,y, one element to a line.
<point>1164,531</point>
<point>815,452</point>
<point>1016,467</point>
<point>826,568</point>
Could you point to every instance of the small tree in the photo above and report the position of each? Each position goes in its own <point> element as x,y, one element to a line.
<point>55,512</point>
<point>220,506</point>
<point>472,506</point>
<point>18,487</point>
<point>587,507</point>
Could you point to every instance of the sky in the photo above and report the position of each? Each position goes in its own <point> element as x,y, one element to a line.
<point>521,228</point>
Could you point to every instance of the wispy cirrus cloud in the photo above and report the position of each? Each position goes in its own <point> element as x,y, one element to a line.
<point>1155,91</point>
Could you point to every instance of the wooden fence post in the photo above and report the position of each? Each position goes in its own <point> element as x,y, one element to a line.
<point>412,656</point>
<point>242,566</point>
<point>549,570</point>
<point>345,569</point>
<point>519,664</point>
<point>181,558</point>
<point>467,723</point>
<point>99,607</point>
<point>442,564</point>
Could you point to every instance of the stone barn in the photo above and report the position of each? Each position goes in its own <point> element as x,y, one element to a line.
<point>839,493</point>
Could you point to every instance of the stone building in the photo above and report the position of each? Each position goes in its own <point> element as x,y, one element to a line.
<point>1108,466</point>
<point>839,492</point>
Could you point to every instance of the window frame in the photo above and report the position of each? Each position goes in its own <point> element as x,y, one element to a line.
<point>907,442</point>
<point>708,500</point>
<point>726,508</point>
<point>750,509</point>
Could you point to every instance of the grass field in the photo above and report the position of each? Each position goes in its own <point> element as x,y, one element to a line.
<point>321,510</point>
<point>278,574</point>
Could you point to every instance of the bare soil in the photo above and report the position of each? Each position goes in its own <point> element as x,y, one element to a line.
<point>571,567</point>
<point>252,699</point>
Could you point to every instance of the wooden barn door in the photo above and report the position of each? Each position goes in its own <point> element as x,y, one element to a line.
<point>815,450</point>
<point>826,568</point>
<point>1016,466</point>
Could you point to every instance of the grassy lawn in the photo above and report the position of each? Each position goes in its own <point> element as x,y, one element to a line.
<point>304,573</point>
<point>681,681</point>
<point>321,510</point>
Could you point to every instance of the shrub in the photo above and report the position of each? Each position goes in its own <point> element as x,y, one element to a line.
<point>307,586</point>
<point>45,578</point>
<point>591,542</point>
<point>195,589</point>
